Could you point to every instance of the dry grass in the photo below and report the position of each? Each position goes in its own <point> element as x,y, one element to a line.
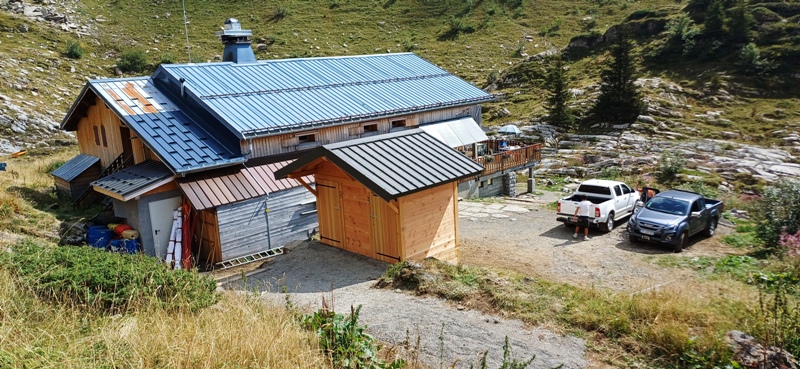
<point>238,332</point>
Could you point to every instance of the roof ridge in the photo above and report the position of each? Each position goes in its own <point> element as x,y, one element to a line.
<point>320,87</point>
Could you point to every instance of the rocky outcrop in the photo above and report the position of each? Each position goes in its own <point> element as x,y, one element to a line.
<point>752,355</point>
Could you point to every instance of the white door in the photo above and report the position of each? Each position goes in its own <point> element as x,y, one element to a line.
<point>161,223</point>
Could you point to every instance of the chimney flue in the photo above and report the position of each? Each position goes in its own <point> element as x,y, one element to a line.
<point>237,42</point>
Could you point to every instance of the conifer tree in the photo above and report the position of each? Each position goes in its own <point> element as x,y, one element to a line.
<point>740,22</point>
<point>558,113</point>
<point>620,100</point>
<point>715,18</point>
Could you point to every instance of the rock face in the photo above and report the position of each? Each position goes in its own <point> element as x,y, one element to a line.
<point>752,355</point>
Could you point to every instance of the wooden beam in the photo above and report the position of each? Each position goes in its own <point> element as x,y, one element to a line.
<point>304,173</point>
<point>302,182</point>
<point>108,193</point>
<point>393,206</point>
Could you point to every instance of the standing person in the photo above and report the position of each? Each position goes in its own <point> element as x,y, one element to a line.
<point>582,215</point>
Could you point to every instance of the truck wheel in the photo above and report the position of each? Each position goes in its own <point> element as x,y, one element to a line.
<point>609,224</point>
<point>681,243</point>
<point>711,228</point>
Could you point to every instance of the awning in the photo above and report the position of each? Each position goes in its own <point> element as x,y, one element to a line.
<point>229,185</point>
<point>134,181</point>
<point>456,132</point>
<point>75,167</point>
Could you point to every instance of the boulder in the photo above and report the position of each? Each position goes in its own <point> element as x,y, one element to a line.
<point>752,355</point>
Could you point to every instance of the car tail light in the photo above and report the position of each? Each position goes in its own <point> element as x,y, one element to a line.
<point>597,212</point>
<point>559,207</point>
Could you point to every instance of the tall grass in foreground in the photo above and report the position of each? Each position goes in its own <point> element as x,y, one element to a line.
<point>236,332</point>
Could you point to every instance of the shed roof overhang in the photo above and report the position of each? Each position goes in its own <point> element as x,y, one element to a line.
<point>456,132</point>
<point>132,182</point>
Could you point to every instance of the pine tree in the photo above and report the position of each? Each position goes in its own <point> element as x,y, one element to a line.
<point>620,100</point>
<point>558,113</point>
<point>740,22</point>
<point>715,18</point>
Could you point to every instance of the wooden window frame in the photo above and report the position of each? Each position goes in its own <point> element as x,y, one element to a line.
<point>371,127</point>
<point>301,140</point>
<point>398,123</point>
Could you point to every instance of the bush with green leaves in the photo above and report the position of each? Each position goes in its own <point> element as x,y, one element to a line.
<point>106,281</point>
<point>778,212</point>
<point>344,340</point>
<point>133,61</point>
<point>670,166</point>
<point>751,62</point>
<point>73,50</point>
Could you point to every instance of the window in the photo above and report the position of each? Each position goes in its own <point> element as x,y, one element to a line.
<point>617,190</point>
<point>483,184</point>
<point>103,133</point>
<point>96,136</point>
<point>626,190</point>
<point>695,206</point>
<point>306,139</point>
<point>398,123</point>
<point>371,128</point>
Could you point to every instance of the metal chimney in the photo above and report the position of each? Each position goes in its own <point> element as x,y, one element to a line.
<point>237,42</point>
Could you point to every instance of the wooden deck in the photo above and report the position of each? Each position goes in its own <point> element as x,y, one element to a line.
<point>511,159</point>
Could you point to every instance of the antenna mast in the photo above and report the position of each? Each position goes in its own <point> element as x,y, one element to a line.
<point>186,30</point>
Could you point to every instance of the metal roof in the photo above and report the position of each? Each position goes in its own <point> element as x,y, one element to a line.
<point>228,185</point>
<point>456,132</point>
<point>395,164</point>
<point>75,166</point>
<point>178,140</point>
<point>135,180</point>
<point>271,96</point>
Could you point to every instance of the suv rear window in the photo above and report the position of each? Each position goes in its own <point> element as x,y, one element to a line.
<point>600,190</point>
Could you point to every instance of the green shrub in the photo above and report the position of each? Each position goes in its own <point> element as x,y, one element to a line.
<point>670,166</point>
<point>133,61</point>
<point>167,58</point>
<point>106,281</point>
<point>73,50</point>
<point>50,167</point>
<point>778,211</point>
<point>345,342</point>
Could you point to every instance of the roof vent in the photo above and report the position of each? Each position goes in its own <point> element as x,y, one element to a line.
<point>237,42</point>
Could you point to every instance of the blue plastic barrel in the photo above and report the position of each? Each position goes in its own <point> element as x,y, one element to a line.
<point>99,236</point>
<point>115,245</point>
<point>131,246</point>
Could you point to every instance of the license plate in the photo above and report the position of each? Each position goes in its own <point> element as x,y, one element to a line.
<point>646,238</point>
<point>644,231</point>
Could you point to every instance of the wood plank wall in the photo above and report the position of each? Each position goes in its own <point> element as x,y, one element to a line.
<point>206,244</point>
<point>281,144</point>
<point>428,224</point>
<point>102,118</point>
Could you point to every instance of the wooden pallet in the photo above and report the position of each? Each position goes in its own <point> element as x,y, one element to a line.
<point>248,259</point>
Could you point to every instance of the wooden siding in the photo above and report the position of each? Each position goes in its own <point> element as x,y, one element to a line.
<point>207,236</point>
<point>329,212</point>
<point>172,186</point>
<point>385,230</point>
<point>356,211</point>
<point>292,215</point>
<point>428,223</point>
<point>287,143</point>
<point>102,118</point>
<point>243,228</point>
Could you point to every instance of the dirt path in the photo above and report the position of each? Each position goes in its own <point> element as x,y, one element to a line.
<point>312,271</point>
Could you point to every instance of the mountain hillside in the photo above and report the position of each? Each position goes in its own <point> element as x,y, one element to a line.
<point>51,47</point>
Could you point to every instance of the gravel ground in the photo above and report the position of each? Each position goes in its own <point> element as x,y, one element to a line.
<point>519,234</point>
<point>312,271</point>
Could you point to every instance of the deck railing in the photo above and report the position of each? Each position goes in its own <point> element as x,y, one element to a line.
<point>511,158</point>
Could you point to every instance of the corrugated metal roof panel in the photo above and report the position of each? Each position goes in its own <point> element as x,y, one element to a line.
<point>456,132</point>
<point>394,165</point>
<point>129,181</point>
<point>75,166</point>
<point>229,185</point>
<point>175,138</point>
<point>278,95</point>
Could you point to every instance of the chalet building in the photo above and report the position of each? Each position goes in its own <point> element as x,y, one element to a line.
<point>212,135</point>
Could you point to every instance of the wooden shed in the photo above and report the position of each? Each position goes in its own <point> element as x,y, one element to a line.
<point>390,197</point>
<point>75,176</point>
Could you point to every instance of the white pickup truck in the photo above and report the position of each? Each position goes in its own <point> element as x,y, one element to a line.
<point>612,200</point>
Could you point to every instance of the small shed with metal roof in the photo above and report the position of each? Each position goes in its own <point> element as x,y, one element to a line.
<point>391,197</point>
<point>75,176</point>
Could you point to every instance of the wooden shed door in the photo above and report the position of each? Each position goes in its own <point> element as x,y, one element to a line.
<point>329,211</point>
<point>385,234</point>
<point>356,211</point>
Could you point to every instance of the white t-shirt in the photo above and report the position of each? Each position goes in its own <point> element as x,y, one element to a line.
<point>583,208</point>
